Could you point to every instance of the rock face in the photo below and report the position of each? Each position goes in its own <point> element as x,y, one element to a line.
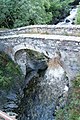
<point>55,72</point>
<point>44,93</point>
<point>56,77</point>
<point>9,99</point>
<point>29,60</point>
<point>11,82</point>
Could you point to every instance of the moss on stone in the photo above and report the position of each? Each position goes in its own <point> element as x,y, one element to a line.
<point>72,109</point>
<point>35,55</point>
<point>9,72</point>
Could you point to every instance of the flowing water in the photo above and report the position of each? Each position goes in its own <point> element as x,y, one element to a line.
<point>69,20</point>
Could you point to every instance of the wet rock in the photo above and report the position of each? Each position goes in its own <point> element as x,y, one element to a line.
<point>40,65</point>
<point>29,60</point>
<point>12,97</point>
<point>42,93</point>
<point>36,66</point>
<point>29,77</point>
<point>10,106</point>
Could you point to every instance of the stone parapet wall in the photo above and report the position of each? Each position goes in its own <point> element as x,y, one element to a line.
<point>40,43</point>
<point>72,30</point>
<point>69,47</point>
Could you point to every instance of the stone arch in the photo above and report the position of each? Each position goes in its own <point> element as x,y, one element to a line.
<point>27,46</point>
<point>19,55</point>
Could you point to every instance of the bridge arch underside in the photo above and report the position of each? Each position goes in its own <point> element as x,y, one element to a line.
<point>20,47</point>
<point>23,53</point>
<point>70,59</point>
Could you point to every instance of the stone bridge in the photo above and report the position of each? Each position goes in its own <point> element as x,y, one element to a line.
<point>45,39</point>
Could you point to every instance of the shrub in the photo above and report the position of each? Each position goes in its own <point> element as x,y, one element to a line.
<point>77,21</point>
<point>72,109</point>
<point>9,72</point>
<point>16,13</point>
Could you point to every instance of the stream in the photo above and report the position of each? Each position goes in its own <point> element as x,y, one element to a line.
<point>69,20</point>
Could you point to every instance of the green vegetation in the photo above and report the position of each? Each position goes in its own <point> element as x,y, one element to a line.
<point>34,55</point>
<point>77,21</point>
<point>16,13</point>
<point>72,109</point>
<point>9,72</point>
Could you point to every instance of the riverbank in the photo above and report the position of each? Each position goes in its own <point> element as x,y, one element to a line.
<point>71,111</point>
<point>11,82</point>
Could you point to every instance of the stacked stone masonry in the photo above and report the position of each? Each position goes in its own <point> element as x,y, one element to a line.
<point>12,41</point>
<point>41,43</point>
<point>72,30</point>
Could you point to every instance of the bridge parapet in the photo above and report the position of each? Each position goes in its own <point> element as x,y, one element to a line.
<point>46,44</point>
<point>69,46</point>
<point>72,30</point>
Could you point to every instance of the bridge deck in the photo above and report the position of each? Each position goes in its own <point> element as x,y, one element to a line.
<point>43,36</point>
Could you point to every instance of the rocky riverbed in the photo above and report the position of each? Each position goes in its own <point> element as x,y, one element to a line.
<point>44,88</point>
